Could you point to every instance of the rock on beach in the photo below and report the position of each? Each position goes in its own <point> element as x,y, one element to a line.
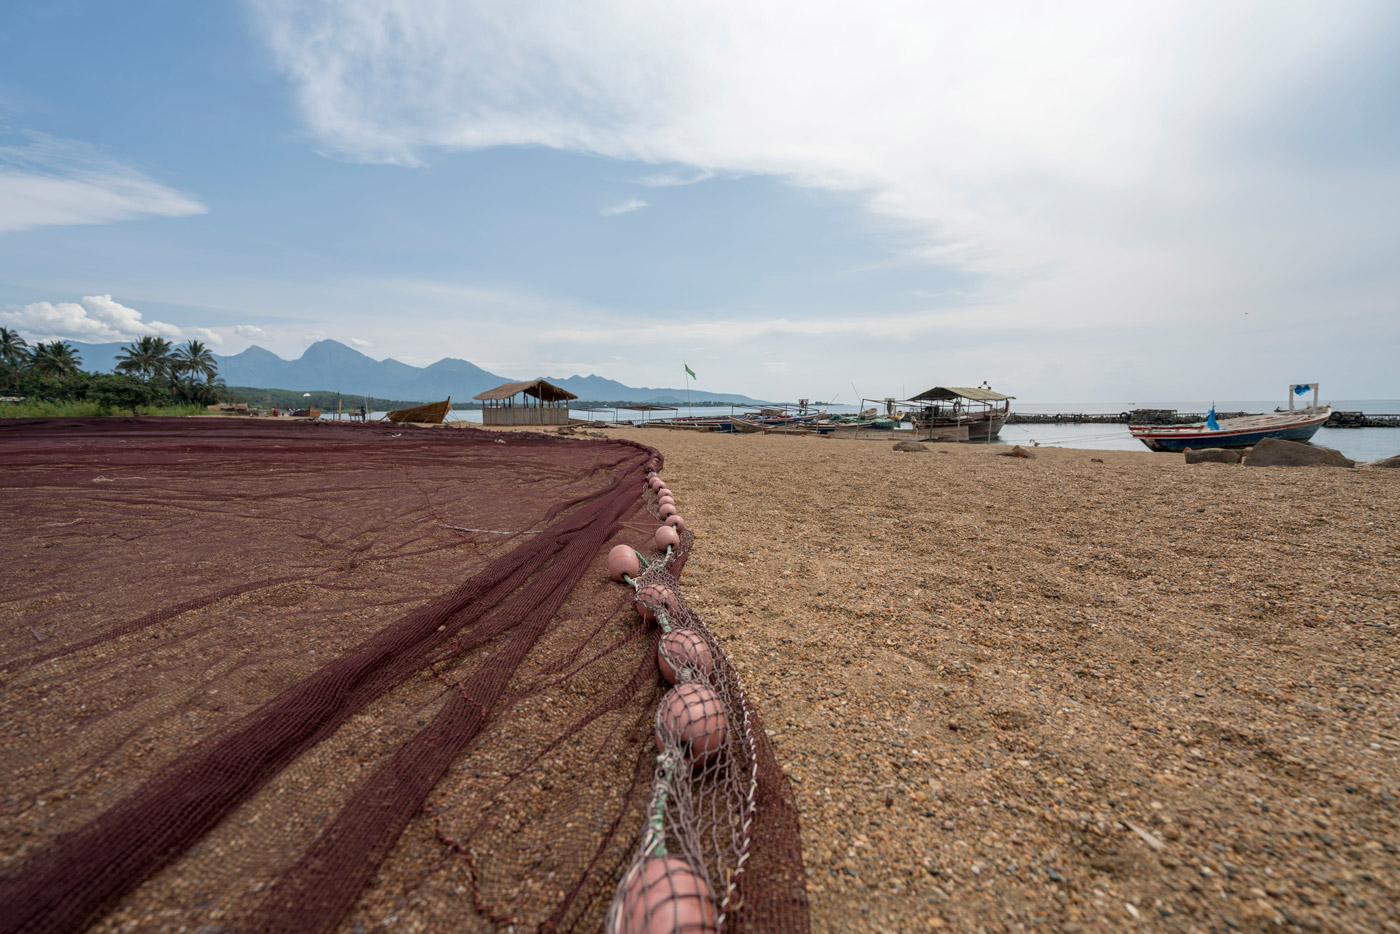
<point>1213,456</point>
<point>1271,452</point>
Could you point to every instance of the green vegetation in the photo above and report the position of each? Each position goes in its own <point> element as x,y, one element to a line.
<point>37,409</point>
<point>322,399</point>
<point>153,378</point>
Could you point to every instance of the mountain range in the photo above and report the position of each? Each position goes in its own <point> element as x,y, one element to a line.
<point>330,365</point>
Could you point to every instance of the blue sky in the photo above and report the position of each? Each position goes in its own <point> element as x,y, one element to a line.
<point>1103,201</point>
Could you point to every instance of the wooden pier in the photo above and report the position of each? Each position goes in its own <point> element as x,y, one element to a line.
<point>1362,420</point>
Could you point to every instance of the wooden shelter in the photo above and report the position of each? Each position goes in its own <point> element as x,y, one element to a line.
<point>533,402</point>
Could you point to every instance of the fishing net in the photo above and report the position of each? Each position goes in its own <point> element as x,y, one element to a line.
<point>687,867</point>
<point>262,676</point>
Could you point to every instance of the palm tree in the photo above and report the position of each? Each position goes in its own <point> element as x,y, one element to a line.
<point>148,357</point>
<point>212,390</point>
<point>193,357</point>
<point>12,352</point>
<point>56,358</point>
<point>12,346</point>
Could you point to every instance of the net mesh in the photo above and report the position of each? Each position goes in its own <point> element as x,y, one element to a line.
<point>689,867</point>
<point>310,678</point>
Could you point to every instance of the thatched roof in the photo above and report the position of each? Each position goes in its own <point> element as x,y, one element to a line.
<point>547,392</point>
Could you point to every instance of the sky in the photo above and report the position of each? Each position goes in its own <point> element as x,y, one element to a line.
<point>1084,201</point>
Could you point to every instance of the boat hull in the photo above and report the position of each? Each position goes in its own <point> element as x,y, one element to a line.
<point>1233,433</point>
<point>968,428</point>
<point>431,414</point>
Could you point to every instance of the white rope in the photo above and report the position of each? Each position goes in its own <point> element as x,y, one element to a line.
<point>462,528</point>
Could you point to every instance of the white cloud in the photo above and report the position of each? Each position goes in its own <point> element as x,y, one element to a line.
<point>46,181</point>
<point>97,319</point>
<point>675,179</point>
<point>1091,162</point>
<point>359,342</point>
<point>626,207</point>
<point>250,331</point>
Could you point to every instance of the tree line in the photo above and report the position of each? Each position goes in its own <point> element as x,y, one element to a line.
<point>150,371</point>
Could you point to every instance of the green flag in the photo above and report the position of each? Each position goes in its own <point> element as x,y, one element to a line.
<point>690,371</point>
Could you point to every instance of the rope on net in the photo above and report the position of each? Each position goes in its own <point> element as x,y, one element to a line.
<point>685,872</point>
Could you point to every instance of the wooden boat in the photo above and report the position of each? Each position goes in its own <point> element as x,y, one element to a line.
<point>974,426</point>
<point>305,413</point>
<point>959,413</point>
<point>1286,425</point>
<point>804,428</point>
<point>946,432</point>
<point>866,430</point>
<point>748,426</point>
<point>678,425</point>
<point>430,414</point>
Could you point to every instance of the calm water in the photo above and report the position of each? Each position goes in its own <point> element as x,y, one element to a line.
<point>1362,444</point>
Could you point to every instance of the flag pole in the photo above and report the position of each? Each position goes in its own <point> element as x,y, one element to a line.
<point>688,406</point>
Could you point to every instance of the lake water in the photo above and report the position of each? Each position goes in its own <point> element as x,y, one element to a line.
<point>1362,444</point>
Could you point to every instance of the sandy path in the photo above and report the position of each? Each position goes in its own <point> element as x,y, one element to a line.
<point>1063,693</point>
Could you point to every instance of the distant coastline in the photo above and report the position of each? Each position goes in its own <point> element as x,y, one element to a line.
<point>329,367</point>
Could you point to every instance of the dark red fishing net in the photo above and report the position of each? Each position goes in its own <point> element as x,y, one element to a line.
<point>263,676</point>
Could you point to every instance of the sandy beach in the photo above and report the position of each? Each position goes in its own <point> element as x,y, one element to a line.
<point>1079,691</point>
<point>1085,691</point>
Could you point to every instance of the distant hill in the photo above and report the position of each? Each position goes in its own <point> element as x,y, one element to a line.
<point>610,390</point>
<point>332,366</point>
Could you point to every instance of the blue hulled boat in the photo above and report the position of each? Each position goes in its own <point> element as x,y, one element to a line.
<point>1286,425</point>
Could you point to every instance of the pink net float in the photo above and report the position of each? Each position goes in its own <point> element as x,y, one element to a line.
<point>623,561</point>
<point>655,595</point>
<point>667,536</point>
<point>691,716</point>
<point>665,896</point>
<point>681,649</point>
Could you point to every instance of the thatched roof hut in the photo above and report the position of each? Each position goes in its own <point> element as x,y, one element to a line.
<point>533,402</point>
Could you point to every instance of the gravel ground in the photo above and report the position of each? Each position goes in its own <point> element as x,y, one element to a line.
<point>1083,691</point>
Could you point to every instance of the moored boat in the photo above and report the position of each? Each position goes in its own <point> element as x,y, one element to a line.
<point>431,414</point>
<point>1286,425</point>
<point>959,413</point>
